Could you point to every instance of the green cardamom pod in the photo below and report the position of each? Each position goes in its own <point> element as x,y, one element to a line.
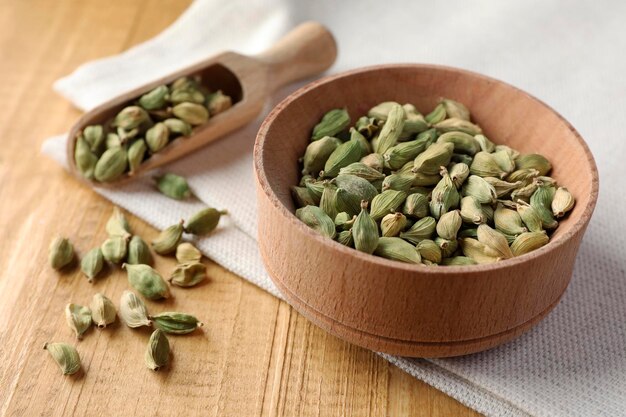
<point>111,165</point>
<point>380,112</point>
<point>157,137</point>
<point>184,83</point>
<point>485,165</point>
<point>345,154</point>
<point>530,217</point>
<point>344,221</point>
<point>508,221</point>
<point>65,356</point>
<point>458,261</point>
<point>386,202</point>
<point>358,187</point>
<point>399,182</point>
<point>78,319</point>
<point>504,161</point>
<point>114,249</point>
<point>303,197</point>
<point>192,113</point>
<point>481,190</point>
<point>365,231</point>
<point>471,211</point>
<point>187,253</point>
<point>136,153</point>
<point>449,224</point>
<point>391,130</point>
<point>525,175</point>
<point>186,95</point>
<point>397,249</point>
<point>392,224</point>
<point>112,141</point>
<point>367,126</point>
<point>345,238</point>
<point>421,229</point>
<point>455,109</point>
<point>478,251</point>
<point>94,136</point>
<point>60,252</point>
<point>333,122</point>
<point>429,251</point>
<point>416,206</point>
<point>347,202</point>
<point>366,147</point>
<point>175,323</point>
<point>188,274</point>
<point>459,173</point>
<point>84,158</point>
<point>155,98</point>
<point>158,352</point>
<point>174,186</point>
<point>463,143</point>
<point>541,200</point>
<point>485,144</point>
<point>361,170</point>
<point>317,219</point>
<point>177,127</point>
<point>123,137</point>
<point>138,252</point>
<point>495,240</point>
<point>398,155</point>
<point>445,196</point>
<point>503,188</point>
<point>133,311</point>
<point>218,102</point>
<point>459,125</point>
<point>524,192</point>
<point>147,281</point>
<point>102,310</point>
<point>375,161</point>
<point>414,122</point>
<point>130,117</point>
<point>533,161</point>
<point>204,221</point>
<point>433,158</point>
<point>317,153</point>
<point>562,202</point>
<point>448,247</point>
<point>328,200</point>
<point>437,115</point>
<point>117,225</point>
<point>529,241</point>
<point>169,238</point>
<point>92,264</point>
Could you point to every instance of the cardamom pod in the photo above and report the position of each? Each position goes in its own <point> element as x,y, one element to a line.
<point>187,253</point>
<point>453,124</point>
<point>65,356</point>
<point>392,224</point>
<point>480,189</point>
<point>380,112</point>
<point>102,310</point>
<point>562,202</point>
<point>429,251</point>
<point>344,221</point>
<point>495,240</point>
<point>375,161</point>
<point>111,165</point>
<point>533,161</point>
<point>218,102</point>
<point>455,109</point>
<point>158,352</point>
<point>485,144</point>
<point>317,219</point>
<point>147,281</point>
<point>414,122</point>
<point>133,311</point>
<point>526,191</point>
<point>345,154</point>
<point>512,152</point>
<point>204,221</point>
<point>114,249</point>
<point>173,186</point>
<point>169,238</point>
<point>333,122</point>
<point>391,130</point>
<point>317,153</point>
<point>138,252</point>
<point>530,217</point>
<point>508,221</point>
<point>177,126</point>
<point>60,252</point>
<point>155,98</point>
<point>366,147</point>
<point>92,264</point>
<point>449,224</point>
<point>192,113</point>
<point>303,196</point>
<point>175,323</point>
<point>485,165</point>
<point>386,202</point>
<point>416,206</point>
<point>437,115</point>
<point>503,188</point>
<point>444,197</point>
<point>328,201</point>
<point>433,158</point>
<point>361,170</point>
<point>157,137</point>
<point>478,251</point>
<point>471,211</point>
<point>463,143</point>
<point>130,117</point>
<point>359,188</point>
<point>366,126</point>
<point>398,155</point>
<point>421,229</point>
<point>448,247</point>
<point>136,153</point>
<point>94,136</point>
<point>399,181</point>
<point>117,225</point>
<point>345,238</point>
<point>188,274</point>
<point>78,319</point>
<point>459,173</point>
<point>541,200</point>
<point>504,161</point>
<point>112,141</point>
<point>347,202</point>
<point>365,231</point>
<point>529,241</point>
<point>187,95</point>
<point>84,158</point>
<point>398,250</point>
<point>525,175</point>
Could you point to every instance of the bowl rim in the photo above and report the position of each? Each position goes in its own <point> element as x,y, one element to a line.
<point>368,258</point>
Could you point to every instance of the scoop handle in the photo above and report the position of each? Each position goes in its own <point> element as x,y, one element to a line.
<point>307,50</point>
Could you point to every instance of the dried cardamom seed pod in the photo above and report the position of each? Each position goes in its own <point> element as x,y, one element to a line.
<point>84,158</point>
<point>138,252</point>
<point>204,221</point>
<point>78,319</point>
<point>187,95</point>
<point>345,154</point>
<point>317,153</point>
<point>192,113</point>
<point>416,206</point>
<point>185,83</point>
<point>365,231</point>
<point>174,186</point>
<point>366,126</point>
<point>386,202</point>
<point>175,323</point>
<point>480,189</point>
<point>528,241</point>
<point>328,201</point>
<point>458,261</point>
<point>448,247</point>
<point>157,137</point>
<point>525,192</point>
<point>102,310</point>
<point>449,224</point>
<point>381,111</point>
<point>218,102</point>
<point>525,175</point>
<point>455,109</point>
<point>429,251</point>
<point>375,161</point>
<point>392,224</point>
<point>133,311</point>
<point>508,221</point>
<point>147,281</point>
<point>117,225</point>
<point>344,221</point>
<point>533,161</point>
<point>503,188</point>
<point>433,158</point>
<point>155,98</point>
<point>541,200</point>
<point>397,249</point>
<point>530,217</point>
<point>366,147</point>
<point>468,232</point>
<point>130,117</point>
<point>471,211</point>
<point>478,251</point>
<point>421,229</point>
<point>345,238</point>
<point>514,154</point>
<point>463,143</point>
<point>92,264</point>
<point>187,253</point>
<point>188,274</point>
<point>114,249</point>
<point>504,161</point>
<point>123,136</point>
<point>303,197</point>
<point>562,202</point>
<point>65,356</point>
<point>316,188</point>
<point>485,144</point>
<point>136,153</point>
<point>459,173</point>
<point>347,202</point>
<point>495,240</point>
<point>359,188</point>
<point>414,122</point>
<point>94,136</point>
<point>169,238</point>
<point>485,165</point>
<point>425,180</point>
<point>361,170</point>
<point>177,126</point>
<point>399,182</point>
<point>453,124</point>
<point>158,352</point>
<point>391,130</point>
<point>60,252</point>
<point>398,155</point>
<point>112,141</point>
<point>333,122</point>
<point>111,165</point>
<point>437,115</point>
<point>317,219</point>
<point>444,197</point>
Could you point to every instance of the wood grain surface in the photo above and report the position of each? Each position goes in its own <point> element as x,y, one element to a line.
<point>254,356</point>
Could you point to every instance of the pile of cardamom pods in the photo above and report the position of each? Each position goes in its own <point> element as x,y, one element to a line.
<point>144,127</point>
<point>425,189</point>
<point>134,255</point>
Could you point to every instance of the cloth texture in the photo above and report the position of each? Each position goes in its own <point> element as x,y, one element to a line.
<point>569,54</point>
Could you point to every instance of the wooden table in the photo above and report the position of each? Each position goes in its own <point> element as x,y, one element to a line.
<point>255,355</point>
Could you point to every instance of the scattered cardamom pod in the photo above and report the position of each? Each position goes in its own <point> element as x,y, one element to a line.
<point>175,323</point>
<point>102,310</point>
<point>177,126</point>
<point>188,274</point>
<point>187,253</point>
<point>147,281</point>
<point>114,249</point>
<point>92,263</point>
<point>117,225</point>
<point>60,252</point>
<point>204,221</point>
<point>133,311</point>
<point>65,356</point>
<point>174,186</point>
<point>169,238</point>
<point>78,319</point>
<point>158,352</point>
<point>138,252</point>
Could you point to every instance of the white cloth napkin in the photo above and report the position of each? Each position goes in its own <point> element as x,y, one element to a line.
<point>569,54</point>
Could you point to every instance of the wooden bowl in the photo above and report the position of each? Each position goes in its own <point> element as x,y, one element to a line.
<point>404,309</point>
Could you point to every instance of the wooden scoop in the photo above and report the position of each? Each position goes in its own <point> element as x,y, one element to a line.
<point>307,50</point>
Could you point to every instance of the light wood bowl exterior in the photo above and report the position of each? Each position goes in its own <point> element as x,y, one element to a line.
<point>404,309</point>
